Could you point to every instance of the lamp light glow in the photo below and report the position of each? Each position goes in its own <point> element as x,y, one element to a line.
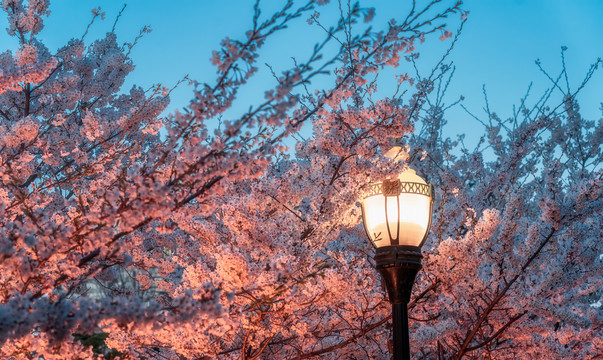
<point>398,212</point>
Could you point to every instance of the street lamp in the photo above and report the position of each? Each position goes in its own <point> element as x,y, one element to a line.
<point>397,216</point>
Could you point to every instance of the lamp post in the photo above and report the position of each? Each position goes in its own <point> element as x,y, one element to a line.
<point>397,216</point>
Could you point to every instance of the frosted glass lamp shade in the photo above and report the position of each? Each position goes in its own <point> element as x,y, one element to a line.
<point>398,212</point>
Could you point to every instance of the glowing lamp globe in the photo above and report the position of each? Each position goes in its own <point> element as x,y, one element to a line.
<point>398,211</point>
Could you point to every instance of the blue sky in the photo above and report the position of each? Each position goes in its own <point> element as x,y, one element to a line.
<point>498,47</point>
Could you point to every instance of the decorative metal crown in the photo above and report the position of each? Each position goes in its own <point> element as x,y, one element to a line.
<point>397,187</point>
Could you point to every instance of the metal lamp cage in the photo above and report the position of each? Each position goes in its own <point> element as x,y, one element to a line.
<point>394,188</point>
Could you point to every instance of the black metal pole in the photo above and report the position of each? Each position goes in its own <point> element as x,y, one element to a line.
<point>400,322</point>
<point>398,266</point>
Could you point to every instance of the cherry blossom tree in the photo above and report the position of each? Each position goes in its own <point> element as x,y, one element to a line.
<point>513,263</point>
<point>194,237</point>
